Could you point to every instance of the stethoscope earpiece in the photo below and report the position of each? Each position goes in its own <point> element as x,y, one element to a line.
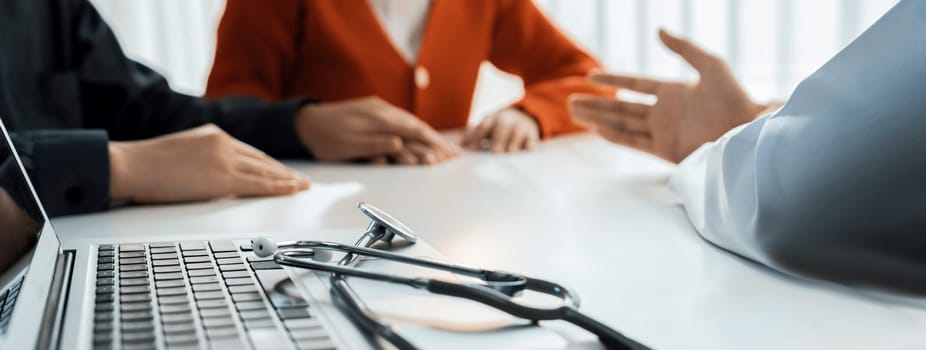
<point>264,246</point>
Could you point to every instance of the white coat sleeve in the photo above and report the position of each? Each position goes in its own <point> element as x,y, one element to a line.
<point>832,185</point>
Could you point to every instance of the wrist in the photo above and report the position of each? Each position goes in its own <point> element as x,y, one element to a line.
<point>303,123</point>
<point>119,171</point>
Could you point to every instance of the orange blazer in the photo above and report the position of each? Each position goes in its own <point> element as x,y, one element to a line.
<point>334,50</point>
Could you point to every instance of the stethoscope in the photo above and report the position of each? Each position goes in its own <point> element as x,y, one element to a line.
<point>497,290</point>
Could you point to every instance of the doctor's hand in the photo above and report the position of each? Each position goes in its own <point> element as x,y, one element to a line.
<point>508,130</point>
<point>197,164</point>
<point>685,115</point>
<point>369,129</point>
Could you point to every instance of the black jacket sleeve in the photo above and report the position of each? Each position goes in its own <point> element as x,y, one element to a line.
<point>69,168</point>
<point>131,101</point>
<point>97,94</point>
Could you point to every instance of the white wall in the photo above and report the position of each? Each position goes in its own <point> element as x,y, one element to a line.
<point>771,44</point>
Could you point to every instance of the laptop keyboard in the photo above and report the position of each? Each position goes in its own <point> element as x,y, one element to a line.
<point>7,301</point>
<point>198,295</point>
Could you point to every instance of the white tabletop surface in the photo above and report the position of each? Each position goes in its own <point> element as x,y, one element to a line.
<point>597,217</point>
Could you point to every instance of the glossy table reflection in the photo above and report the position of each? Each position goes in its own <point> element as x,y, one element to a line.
<point>577,210</point>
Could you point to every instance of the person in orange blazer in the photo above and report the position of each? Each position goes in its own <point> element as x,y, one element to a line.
<point>348,54</point>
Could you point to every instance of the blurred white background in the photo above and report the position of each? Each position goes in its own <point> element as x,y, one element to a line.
<point>771,44</point>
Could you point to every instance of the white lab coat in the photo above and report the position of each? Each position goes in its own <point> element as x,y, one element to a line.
<point>831,185</point>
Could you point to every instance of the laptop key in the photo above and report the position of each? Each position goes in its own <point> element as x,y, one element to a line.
<point>162,292</point>
<point>126,261</point>
<point>209,295</point>
<point>291,313</point>
<point>232,267</point>
<point>177,318</point>
<point>173,300</point>
<point>163,250</point>
<point>106,253</point>
<point>133,282</point>
<point>250,305</point>
<point>175,308</point>
<point>218,322</point>
<point>131,248</point>
<point>224,255</point>
<point>105,267</point>
<point>166,276</point>
<point>248,288</point>
<point>105,289</point>
<point>166,262</point>
<point>246,281</point>
<point>196,259</point>
<point>135,267</point>
<point>252,324</point>
<point>204,279</point>
<point>163,269</point>
<point>254,314</point>
<point>218,333</point>
<point>136,316</point>
<point>103,298</point>
<point>109,273</point>
<point>206,287</point>
<point>131,254</point>
<point>105,281</point>
<point>181,339</point>
<point>103,307</point>
<point>266,265</point>
<point>211,303</point>
<point>129,307</point>
<point>163,256</point>
<point>302,323</point>
<point>326,344</point>
<point>134,289</point>
<point>215,312</point>
<point>246,297</point>
<point>226,344</point>
<point>195,253</point>
<point>103,316</point>
<point>169,284</point>
<point>138,337</point>
<point>199,266</point>
<point>130,298</point>
<point>134,274</point>
<point>180,328</point>
<point>192,245</point>
<point>103,247</point>
<point>223,246</point>
<point>139,346</point>
<point>201,273</point>
<point>235,274</point>
<point>227,261</point>
<point>136,326</point>
<point>105,260</point>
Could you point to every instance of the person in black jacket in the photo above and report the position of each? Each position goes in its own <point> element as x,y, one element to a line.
<point>93,126</point>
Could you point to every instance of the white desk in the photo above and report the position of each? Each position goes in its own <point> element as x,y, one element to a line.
<point>579,211</point>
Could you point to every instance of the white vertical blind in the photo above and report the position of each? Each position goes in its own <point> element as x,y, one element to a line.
<point>771,45</point>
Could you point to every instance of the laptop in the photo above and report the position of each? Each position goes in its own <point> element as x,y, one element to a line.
<point>189,294</point>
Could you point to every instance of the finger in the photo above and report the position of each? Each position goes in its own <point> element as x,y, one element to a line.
<point>405,157</point>
<point>644,85</point>
<point>264,168</point>
<point>474,136</point>
<point>516,143</point>
<point>609,105</point>
<point>640,141</point>
<point>501,134</point>
<point>248,185</point>
<point>693,54</point>
<point>371,145</point>
<point>531,142</point>
<point>379,160</point>
<point>598,118</point>
<point>424,154</point>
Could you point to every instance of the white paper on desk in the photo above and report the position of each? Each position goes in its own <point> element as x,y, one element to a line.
<point>438,322</point>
